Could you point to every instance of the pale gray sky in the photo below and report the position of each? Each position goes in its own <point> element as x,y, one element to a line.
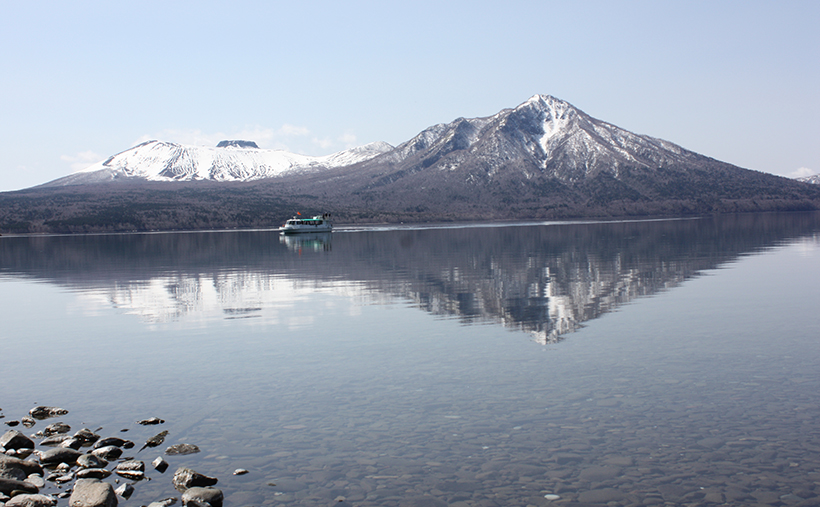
<point>80,81</point>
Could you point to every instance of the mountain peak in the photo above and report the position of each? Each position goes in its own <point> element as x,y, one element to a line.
<point>237,144</point>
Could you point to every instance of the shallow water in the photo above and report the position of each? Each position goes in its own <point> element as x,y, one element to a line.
<point>635,363</point>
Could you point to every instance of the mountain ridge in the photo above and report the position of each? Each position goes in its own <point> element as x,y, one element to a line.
<point>543,159</point>
<point>229,161</point>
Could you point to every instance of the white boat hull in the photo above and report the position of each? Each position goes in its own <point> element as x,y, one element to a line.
<point>297,225</point>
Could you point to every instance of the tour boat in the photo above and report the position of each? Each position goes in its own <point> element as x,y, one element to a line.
<point>297,224</point>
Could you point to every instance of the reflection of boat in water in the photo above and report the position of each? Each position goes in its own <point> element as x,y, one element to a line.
<point>298,225</point>
<point>317,241</point>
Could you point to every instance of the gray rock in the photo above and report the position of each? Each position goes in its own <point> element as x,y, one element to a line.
<point>56,428</point>
<point>125,491</point>
<point>93,493</point>
<point>91,461</point>
<point>160,464</point>
<point>240,471</point>
<point>163,503</point>
<point>28,422</point>
<point>115,441</point>
<point>29,467</point>
<point>27,500</point>
<point>185,478</point>
<point>55,439</point>
<point>13,439</point>
<point>93,473</point>
<point>36,480</point>
<point>59,455</point>
<point>182,449</point>
<point>151,420</point>
<point>199,497</point>
<point>46,412</point>
<point>86,436</point>
<point>155,440</point>
<point>108,452</point>
<point>12,423</point>
<point>66,477</point>
<point>132,469</point>
<point>71,443</point>
<point>9,485</point>
<point>12,473</point>
<point>19,453</point>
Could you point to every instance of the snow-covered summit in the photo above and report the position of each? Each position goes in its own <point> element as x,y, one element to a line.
<point>229,161</point>
<point>543,133</point>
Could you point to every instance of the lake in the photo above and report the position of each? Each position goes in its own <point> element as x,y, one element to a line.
<point>610,363</point>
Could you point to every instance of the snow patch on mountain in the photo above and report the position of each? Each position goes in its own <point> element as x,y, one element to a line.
<point>233,161</point>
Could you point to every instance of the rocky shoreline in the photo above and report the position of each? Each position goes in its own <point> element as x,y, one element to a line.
<point>41,469</point>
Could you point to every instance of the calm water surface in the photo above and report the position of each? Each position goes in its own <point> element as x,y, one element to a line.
<point>647,363</point>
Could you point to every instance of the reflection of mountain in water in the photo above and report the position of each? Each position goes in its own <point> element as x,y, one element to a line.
<point>545,279</point>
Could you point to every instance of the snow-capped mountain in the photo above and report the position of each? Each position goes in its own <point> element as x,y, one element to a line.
<point>229,161</point>
<point>545,136</point>
<point>544,159</point>
<point>814,180</point>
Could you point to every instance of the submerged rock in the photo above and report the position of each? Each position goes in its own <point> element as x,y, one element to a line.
<point>93,493</point>
<point>185,478</point>
<point>28,422</point>
<point>182,449</point>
